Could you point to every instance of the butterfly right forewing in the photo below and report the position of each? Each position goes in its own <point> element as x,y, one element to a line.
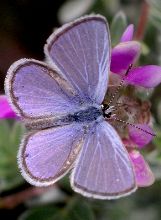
<point>81,50</point>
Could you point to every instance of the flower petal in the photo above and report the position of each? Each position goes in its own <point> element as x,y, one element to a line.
<point>128,143</point>
<point>128,34</point>
<point>141,137</point>
<point>143,173</point>
<point>146,76</point>
<point>123,55</point>
<point>5,109</point>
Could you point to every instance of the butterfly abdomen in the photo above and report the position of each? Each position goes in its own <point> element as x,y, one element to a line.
<point>86,115</point>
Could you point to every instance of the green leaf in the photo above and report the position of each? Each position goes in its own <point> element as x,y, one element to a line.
<point>73,9</point>
<point>157,140</point>
<point>78,209</point>
<point>155,13</point>
<point>10,135</point>
<point>145,49</point>
<point>41,213</point>
<point>118,25</point>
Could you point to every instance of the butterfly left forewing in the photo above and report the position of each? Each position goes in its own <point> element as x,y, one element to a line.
<point>103,169</point>
<point>35,91</point>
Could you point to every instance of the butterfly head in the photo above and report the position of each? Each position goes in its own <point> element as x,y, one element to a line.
<point>107,110</point>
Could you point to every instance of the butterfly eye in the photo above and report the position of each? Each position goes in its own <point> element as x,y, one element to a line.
<point>108,115</point>
<point>104,107</point>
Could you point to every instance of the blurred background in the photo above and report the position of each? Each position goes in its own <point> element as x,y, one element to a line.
<point>24,27</point>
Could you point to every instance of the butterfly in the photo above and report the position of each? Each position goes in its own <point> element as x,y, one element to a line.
<point>60,100</point>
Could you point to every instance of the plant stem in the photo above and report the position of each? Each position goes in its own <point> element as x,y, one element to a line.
<point>11,201</point>
<point>143,19</point>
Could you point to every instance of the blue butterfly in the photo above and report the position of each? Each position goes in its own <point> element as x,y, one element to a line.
<point>60,100</point>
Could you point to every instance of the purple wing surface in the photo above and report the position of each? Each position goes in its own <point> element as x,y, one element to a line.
<point>103,169</point>
<point>46,156</point>
<point>36,91</point>
<point>81,50</point>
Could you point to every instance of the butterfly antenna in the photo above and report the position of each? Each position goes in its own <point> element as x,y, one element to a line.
<point>133,125</point>
<point>120,86</point>
<point>112,99</point>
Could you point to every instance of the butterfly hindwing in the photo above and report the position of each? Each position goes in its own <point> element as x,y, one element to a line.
<point>47,155</point>
<point>103,169</point>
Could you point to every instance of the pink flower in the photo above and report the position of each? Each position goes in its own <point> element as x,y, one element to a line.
<point>143,174</point>
<point>128,34</point>
<point>126,53</point>
<point>139,139</point>
<point>5,109</point>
